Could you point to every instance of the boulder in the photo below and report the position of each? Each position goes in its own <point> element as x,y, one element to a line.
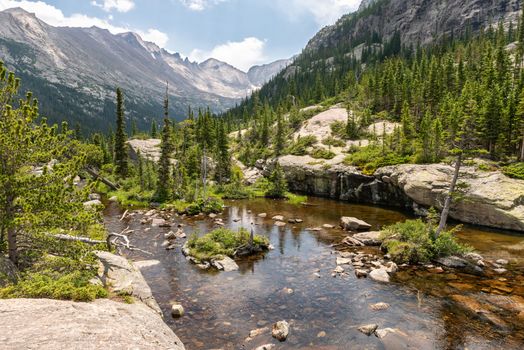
<point>466,266</point>
<point>353,224</point>
<point>121,276</point>
<point>280,330</point>
<point>371,238</point>
<point>379,275</point>
<point>62,325</point>
<point>226,263</point>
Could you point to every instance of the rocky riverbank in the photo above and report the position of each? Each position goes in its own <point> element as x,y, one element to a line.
<point>103,324</point>
<point>489,198</point>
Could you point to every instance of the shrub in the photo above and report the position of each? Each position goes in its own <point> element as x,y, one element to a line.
<point>331,141</point>
<point>413,242</point>
<point>370,158</point>
<point>515,171</point>
<point>299,147</point>
<point>55,285</point>
<point>322,153</point>
<point>206,206</point>
<point>338,129</point>
<point>222,242</point>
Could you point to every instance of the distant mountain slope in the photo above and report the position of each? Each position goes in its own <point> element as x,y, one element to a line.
<point>74,72</point>
<point>379,29</point>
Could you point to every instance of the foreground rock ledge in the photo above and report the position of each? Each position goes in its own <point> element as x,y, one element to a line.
<point>102,324</point>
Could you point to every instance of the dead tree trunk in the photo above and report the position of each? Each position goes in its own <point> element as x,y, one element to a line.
<point>95,175</point>
<point>447,204</point>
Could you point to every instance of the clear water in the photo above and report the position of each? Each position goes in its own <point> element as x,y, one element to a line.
<point>222,308</point>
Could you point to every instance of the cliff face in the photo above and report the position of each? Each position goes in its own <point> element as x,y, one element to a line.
<point>417,21</point>
<point>490,198</point>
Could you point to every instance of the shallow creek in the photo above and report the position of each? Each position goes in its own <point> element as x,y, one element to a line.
<point>324,313</point>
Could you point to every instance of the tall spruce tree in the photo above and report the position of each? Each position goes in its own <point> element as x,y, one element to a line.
<point>164,188</point>
<point>120,149</point>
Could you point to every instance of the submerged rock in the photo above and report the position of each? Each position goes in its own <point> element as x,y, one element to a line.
<point>280,330</point>
<point>379,275</point>
<point>379,306</point>
<point>371,238</point>
<point>353,224</point>
<point>368,329</point>
<point>460,263</point>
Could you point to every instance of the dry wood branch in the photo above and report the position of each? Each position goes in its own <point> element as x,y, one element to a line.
<point>96,175</point>
<point>124,215</point>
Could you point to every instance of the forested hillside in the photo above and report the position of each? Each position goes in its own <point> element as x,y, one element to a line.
<point>465,82</point>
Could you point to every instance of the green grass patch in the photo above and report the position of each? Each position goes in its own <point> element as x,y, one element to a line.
<point>222,242</point>
<point>413,242</point>
<point>295,199</point>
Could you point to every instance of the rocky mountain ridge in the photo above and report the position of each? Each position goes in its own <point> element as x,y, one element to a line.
<point>75,71</point>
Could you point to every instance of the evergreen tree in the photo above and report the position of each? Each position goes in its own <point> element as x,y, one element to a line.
<point>153,129</point>
<point>164,188</point>
<point>223,171</point>
<point>278,183</point>
<point>121,156</point>
<point>279,136</point>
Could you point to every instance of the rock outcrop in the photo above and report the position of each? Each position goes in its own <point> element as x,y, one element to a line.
<point>122,276</point>
<point>8,272</point>
<point>103,324</point>
<point>489,199</point>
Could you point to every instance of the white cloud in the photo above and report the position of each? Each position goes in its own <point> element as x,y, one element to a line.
<point>154,36</point>
<point>200,5</point>
<point>241,54</point>
<point>324,11</point>
<point>119,5</point>
<point>55,17</point>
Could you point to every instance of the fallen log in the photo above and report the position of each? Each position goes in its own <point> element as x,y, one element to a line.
<point>97,176</point>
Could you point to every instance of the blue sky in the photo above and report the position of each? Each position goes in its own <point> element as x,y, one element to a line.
<point>240,32</point>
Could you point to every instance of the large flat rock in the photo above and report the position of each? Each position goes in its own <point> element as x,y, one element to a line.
<point>103,324</point>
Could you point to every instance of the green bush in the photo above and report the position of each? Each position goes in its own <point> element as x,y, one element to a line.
<point>206,206</point>
<point>370,158</point>
<point>299,147</point>
<point>222,242</point>
<point>515,171</point>
<point>331,141</point>
<point>322,153</point>
<point>413,242</point>
<point>277,183</point>
<point>338,129</point>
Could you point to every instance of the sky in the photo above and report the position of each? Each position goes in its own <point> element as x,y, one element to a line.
<point>242,33</point>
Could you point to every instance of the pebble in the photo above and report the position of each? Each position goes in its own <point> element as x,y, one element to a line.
<point>368,329</point>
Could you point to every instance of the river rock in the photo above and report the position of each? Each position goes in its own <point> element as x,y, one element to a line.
<point>391,267</point>
<point>368,329</point>
<point>339,269</point>
<point>177,310</point>
<point>280,223</point>
<point>280,330</point>
<point>266,347</point>
<point>361,273</point>
<point>262,215</point>
<point>156,222</point>
<point>379,275</point>
<point>343,261</point>
<point>102,324</point>
<point>226,263</point>
<point>379,306</point>
<point>353,224</point>
<point>460,263</point>
<point>371,238</point>
<point>256,332</point>
<point>328,226</point>
<point>502,262</point>
<point>278,218</point>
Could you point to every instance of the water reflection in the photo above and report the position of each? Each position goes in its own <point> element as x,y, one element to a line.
<point>223,307</point>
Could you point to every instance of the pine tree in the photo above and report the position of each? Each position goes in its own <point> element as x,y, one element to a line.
<point>223,171</point>
<point>153,129</point>
<point>164,188</point>
<point>278,183</point>
<point>120,149</point>
<point>279,136</point>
